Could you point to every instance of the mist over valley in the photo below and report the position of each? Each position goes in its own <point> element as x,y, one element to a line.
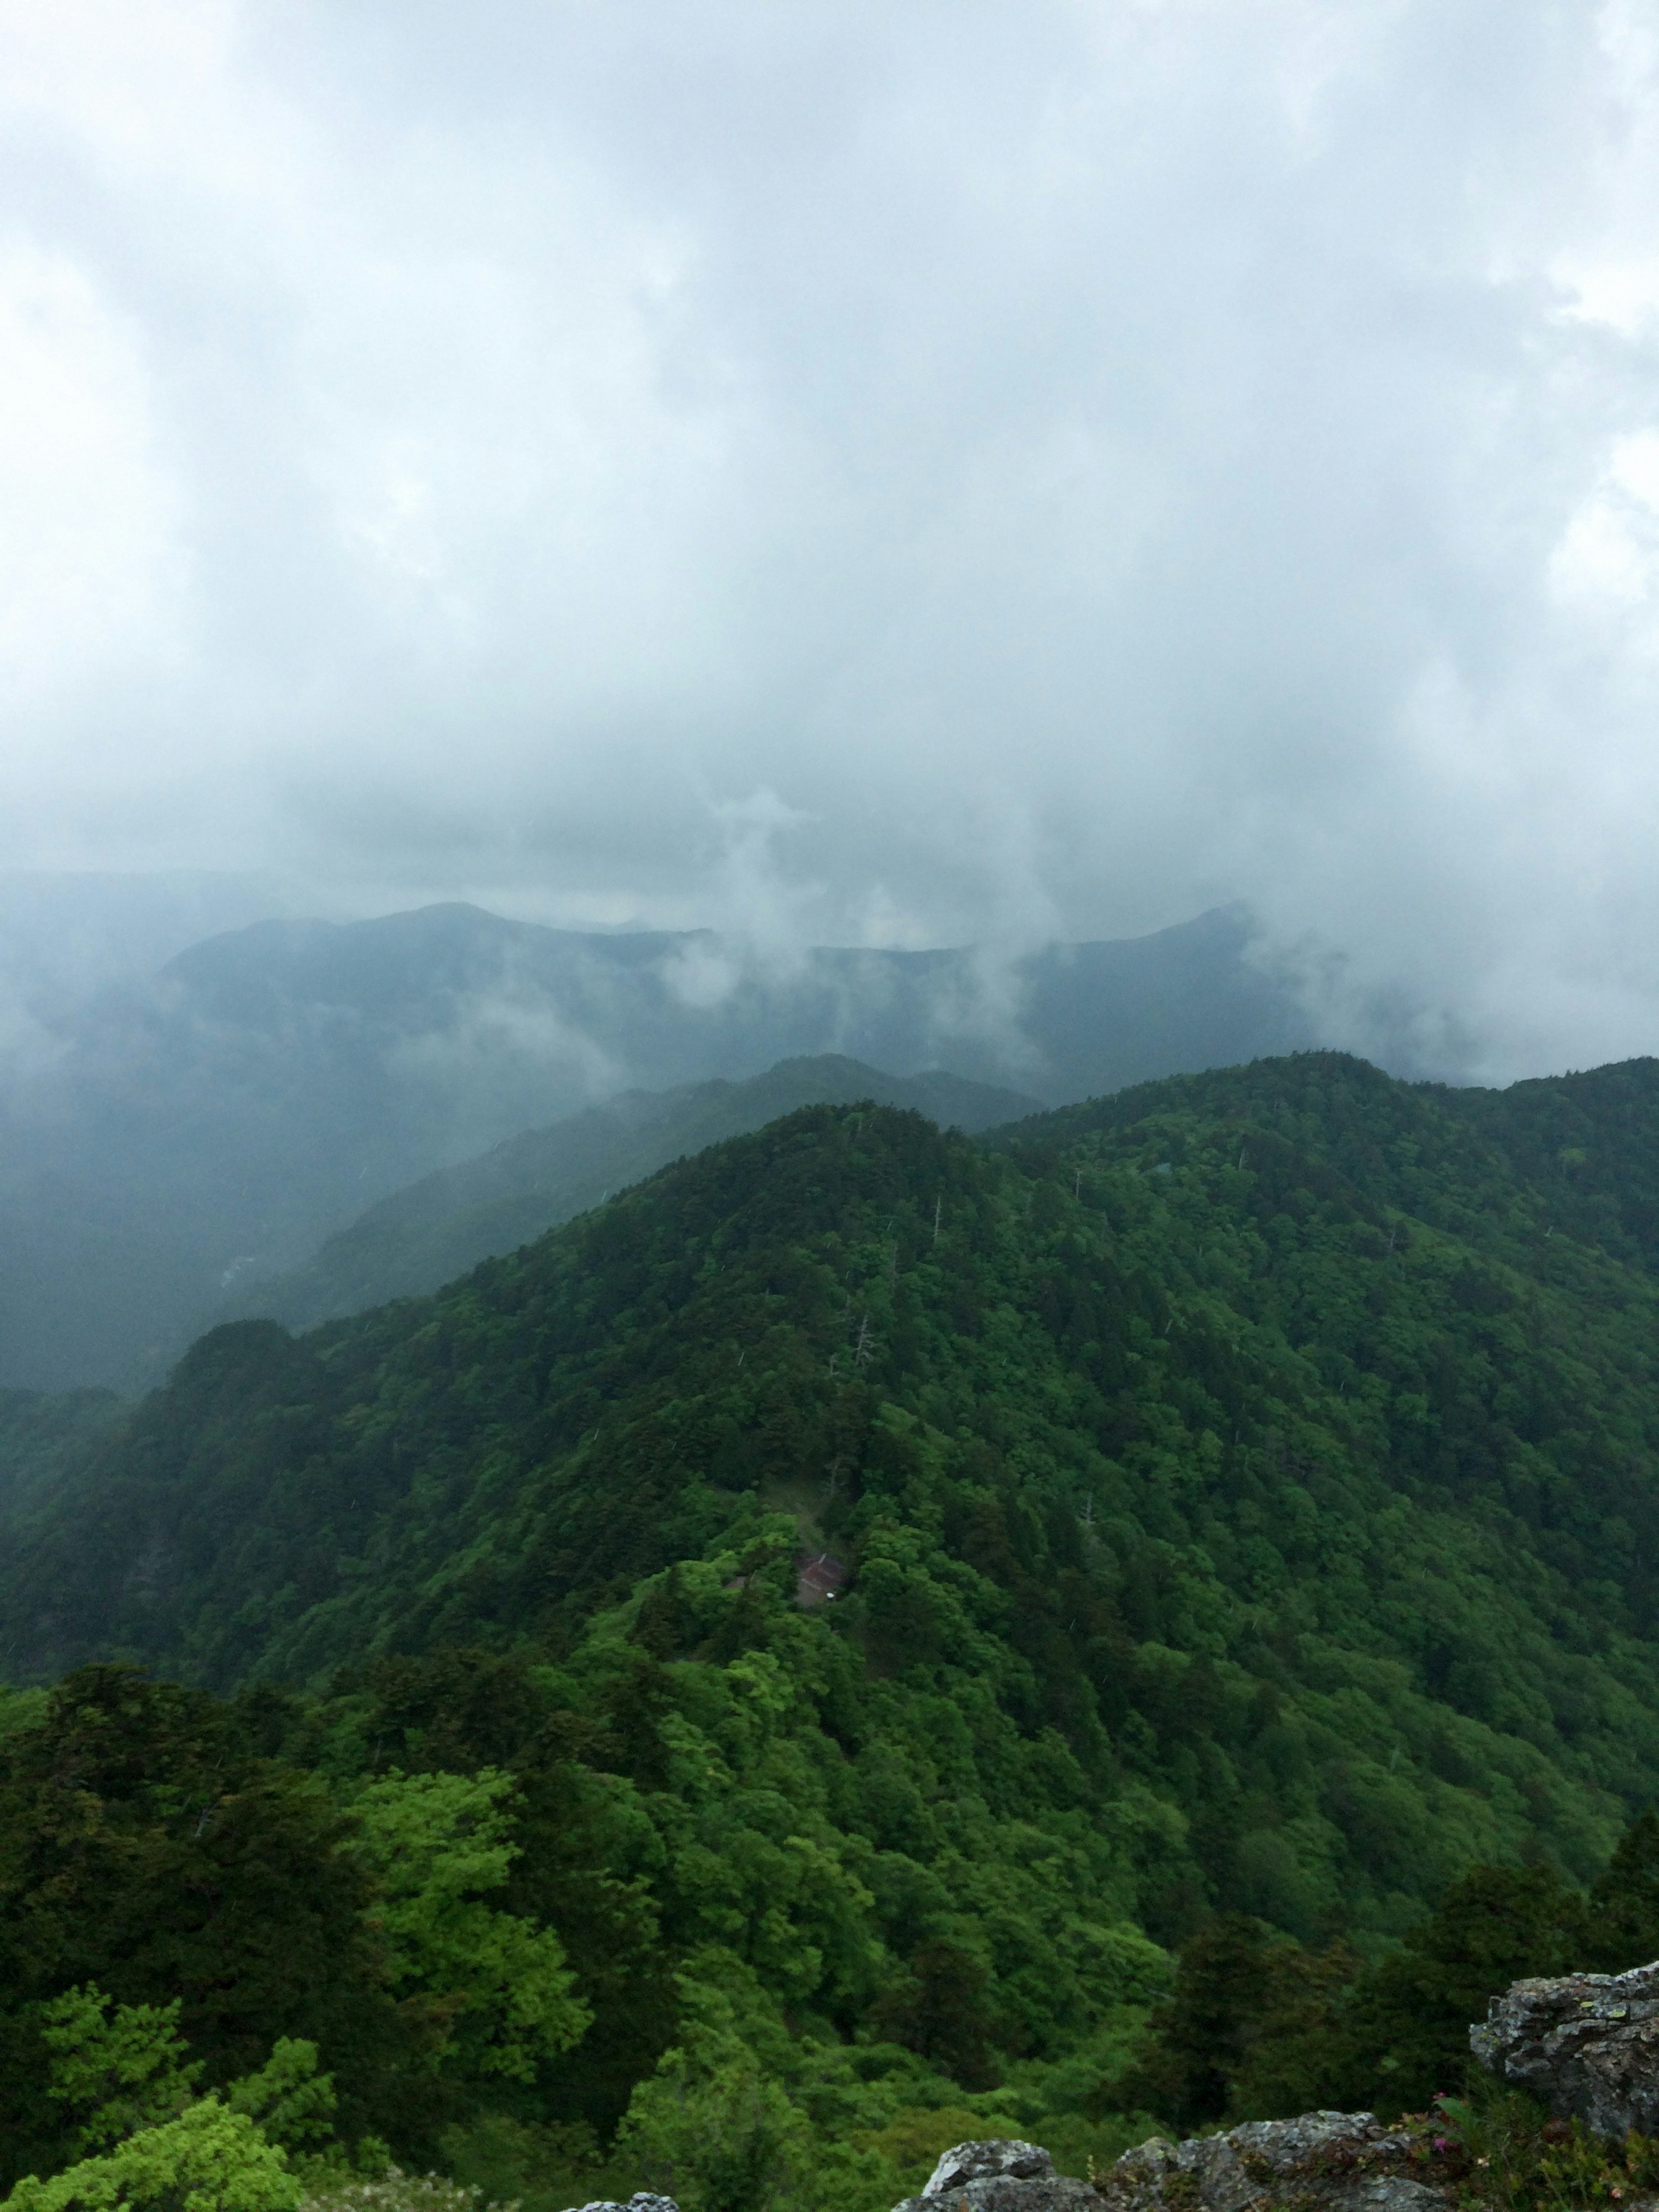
<point>170,1135</point>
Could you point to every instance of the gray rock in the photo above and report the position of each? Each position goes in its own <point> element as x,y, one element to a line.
<point>1008,2192</point>
<point>644,2201</point>
<point>1320,2162</point>
<point>1001,2176</point>
<point>1585,2044</point>
<point>980,2161</point>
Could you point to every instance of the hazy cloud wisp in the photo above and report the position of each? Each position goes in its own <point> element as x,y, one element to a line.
<point>843,473</point>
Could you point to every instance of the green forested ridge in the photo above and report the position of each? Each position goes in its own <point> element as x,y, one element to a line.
<point>1574,1153</point>
<point>1247,1489</point>
<point>422,1236</point>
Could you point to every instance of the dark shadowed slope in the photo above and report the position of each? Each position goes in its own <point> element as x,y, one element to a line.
<point>422,1237</point>
<point>43,1435</point>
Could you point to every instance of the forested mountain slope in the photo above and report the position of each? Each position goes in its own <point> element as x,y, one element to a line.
<point>1239,1497</point>
<point>424,1235</point>
<point>1575,1153</point>
<point>1257,1435</point>
<point>43,1437</point>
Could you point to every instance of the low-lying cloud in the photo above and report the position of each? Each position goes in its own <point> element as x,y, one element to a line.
<point>858,474</point>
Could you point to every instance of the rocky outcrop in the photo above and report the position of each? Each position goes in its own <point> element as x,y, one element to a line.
<point>1585,2044</point>
<point>1001,2176</point>
<point>1319,2162</point>
<point>644,2201</point>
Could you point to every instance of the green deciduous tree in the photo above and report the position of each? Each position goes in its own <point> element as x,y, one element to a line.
<point>208,2159</point>
<point>496,1985</point>
<point>152,2144</point>
<point>115,2069</point>
<point>710,2129</point>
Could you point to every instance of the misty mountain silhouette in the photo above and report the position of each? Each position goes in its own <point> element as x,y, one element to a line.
<point>1065,1021</point>
<point>422,1236</point>
<point>271,1083</point>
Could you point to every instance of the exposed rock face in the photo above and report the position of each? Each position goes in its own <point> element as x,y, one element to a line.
<point>1320,2162</point>
<point>984,2161</point>
<point>1585,2044</point>
<point>1003,2176</point>
<point>644,2201</point>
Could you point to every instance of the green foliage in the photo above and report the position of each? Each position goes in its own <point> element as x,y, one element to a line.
<point>1256,2026</point>
<point>208,2159</point>
<point>43,1435</point>
<point>292,2103</point>
<point>914,2141</point>
<point>146,1845</point>
<point>1243,1494</point>
<point>498,1983</point>
<point>121,2071</point>
<point>1623,1902</point>
<point>380,1920</point>
<point>1232,2038</point>
<point>541,2167</point>
<point>711,2130</point>
<point>1499,2149</point>
<point>124,2070</point>
<point>939,2011</point>
<point>1408,2021</point>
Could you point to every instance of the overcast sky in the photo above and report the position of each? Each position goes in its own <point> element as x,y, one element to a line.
<point>889,473</point>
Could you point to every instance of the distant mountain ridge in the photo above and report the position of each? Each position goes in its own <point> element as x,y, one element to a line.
<point>666,1008</point>
<point>270,1083</point>
<point>437,1229</point>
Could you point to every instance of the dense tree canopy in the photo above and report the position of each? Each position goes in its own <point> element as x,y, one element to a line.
<point>1243,1499</point>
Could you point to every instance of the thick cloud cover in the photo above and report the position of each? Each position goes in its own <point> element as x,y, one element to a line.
<point>856,473</point>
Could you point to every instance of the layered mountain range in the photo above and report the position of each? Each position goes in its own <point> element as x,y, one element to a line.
<point>422,1236</point>
<point>166,1136</point>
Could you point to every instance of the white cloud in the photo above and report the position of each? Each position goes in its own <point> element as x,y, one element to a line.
<point>1083,462</point>
<point>90,571</point>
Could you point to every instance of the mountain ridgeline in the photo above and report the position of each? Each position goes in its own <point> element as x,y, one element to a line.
<point>422,1237</point>
<point>1240,1497</point>
<point>164,1137</point>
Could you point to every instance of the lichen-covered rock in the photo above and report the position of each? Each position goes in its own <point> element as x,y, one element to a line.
<point>1319,2162</point>
<point>1001,2176</point>
<point>644,2201</point>
<point>1585,2044</point>
<point>980,2162</point>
